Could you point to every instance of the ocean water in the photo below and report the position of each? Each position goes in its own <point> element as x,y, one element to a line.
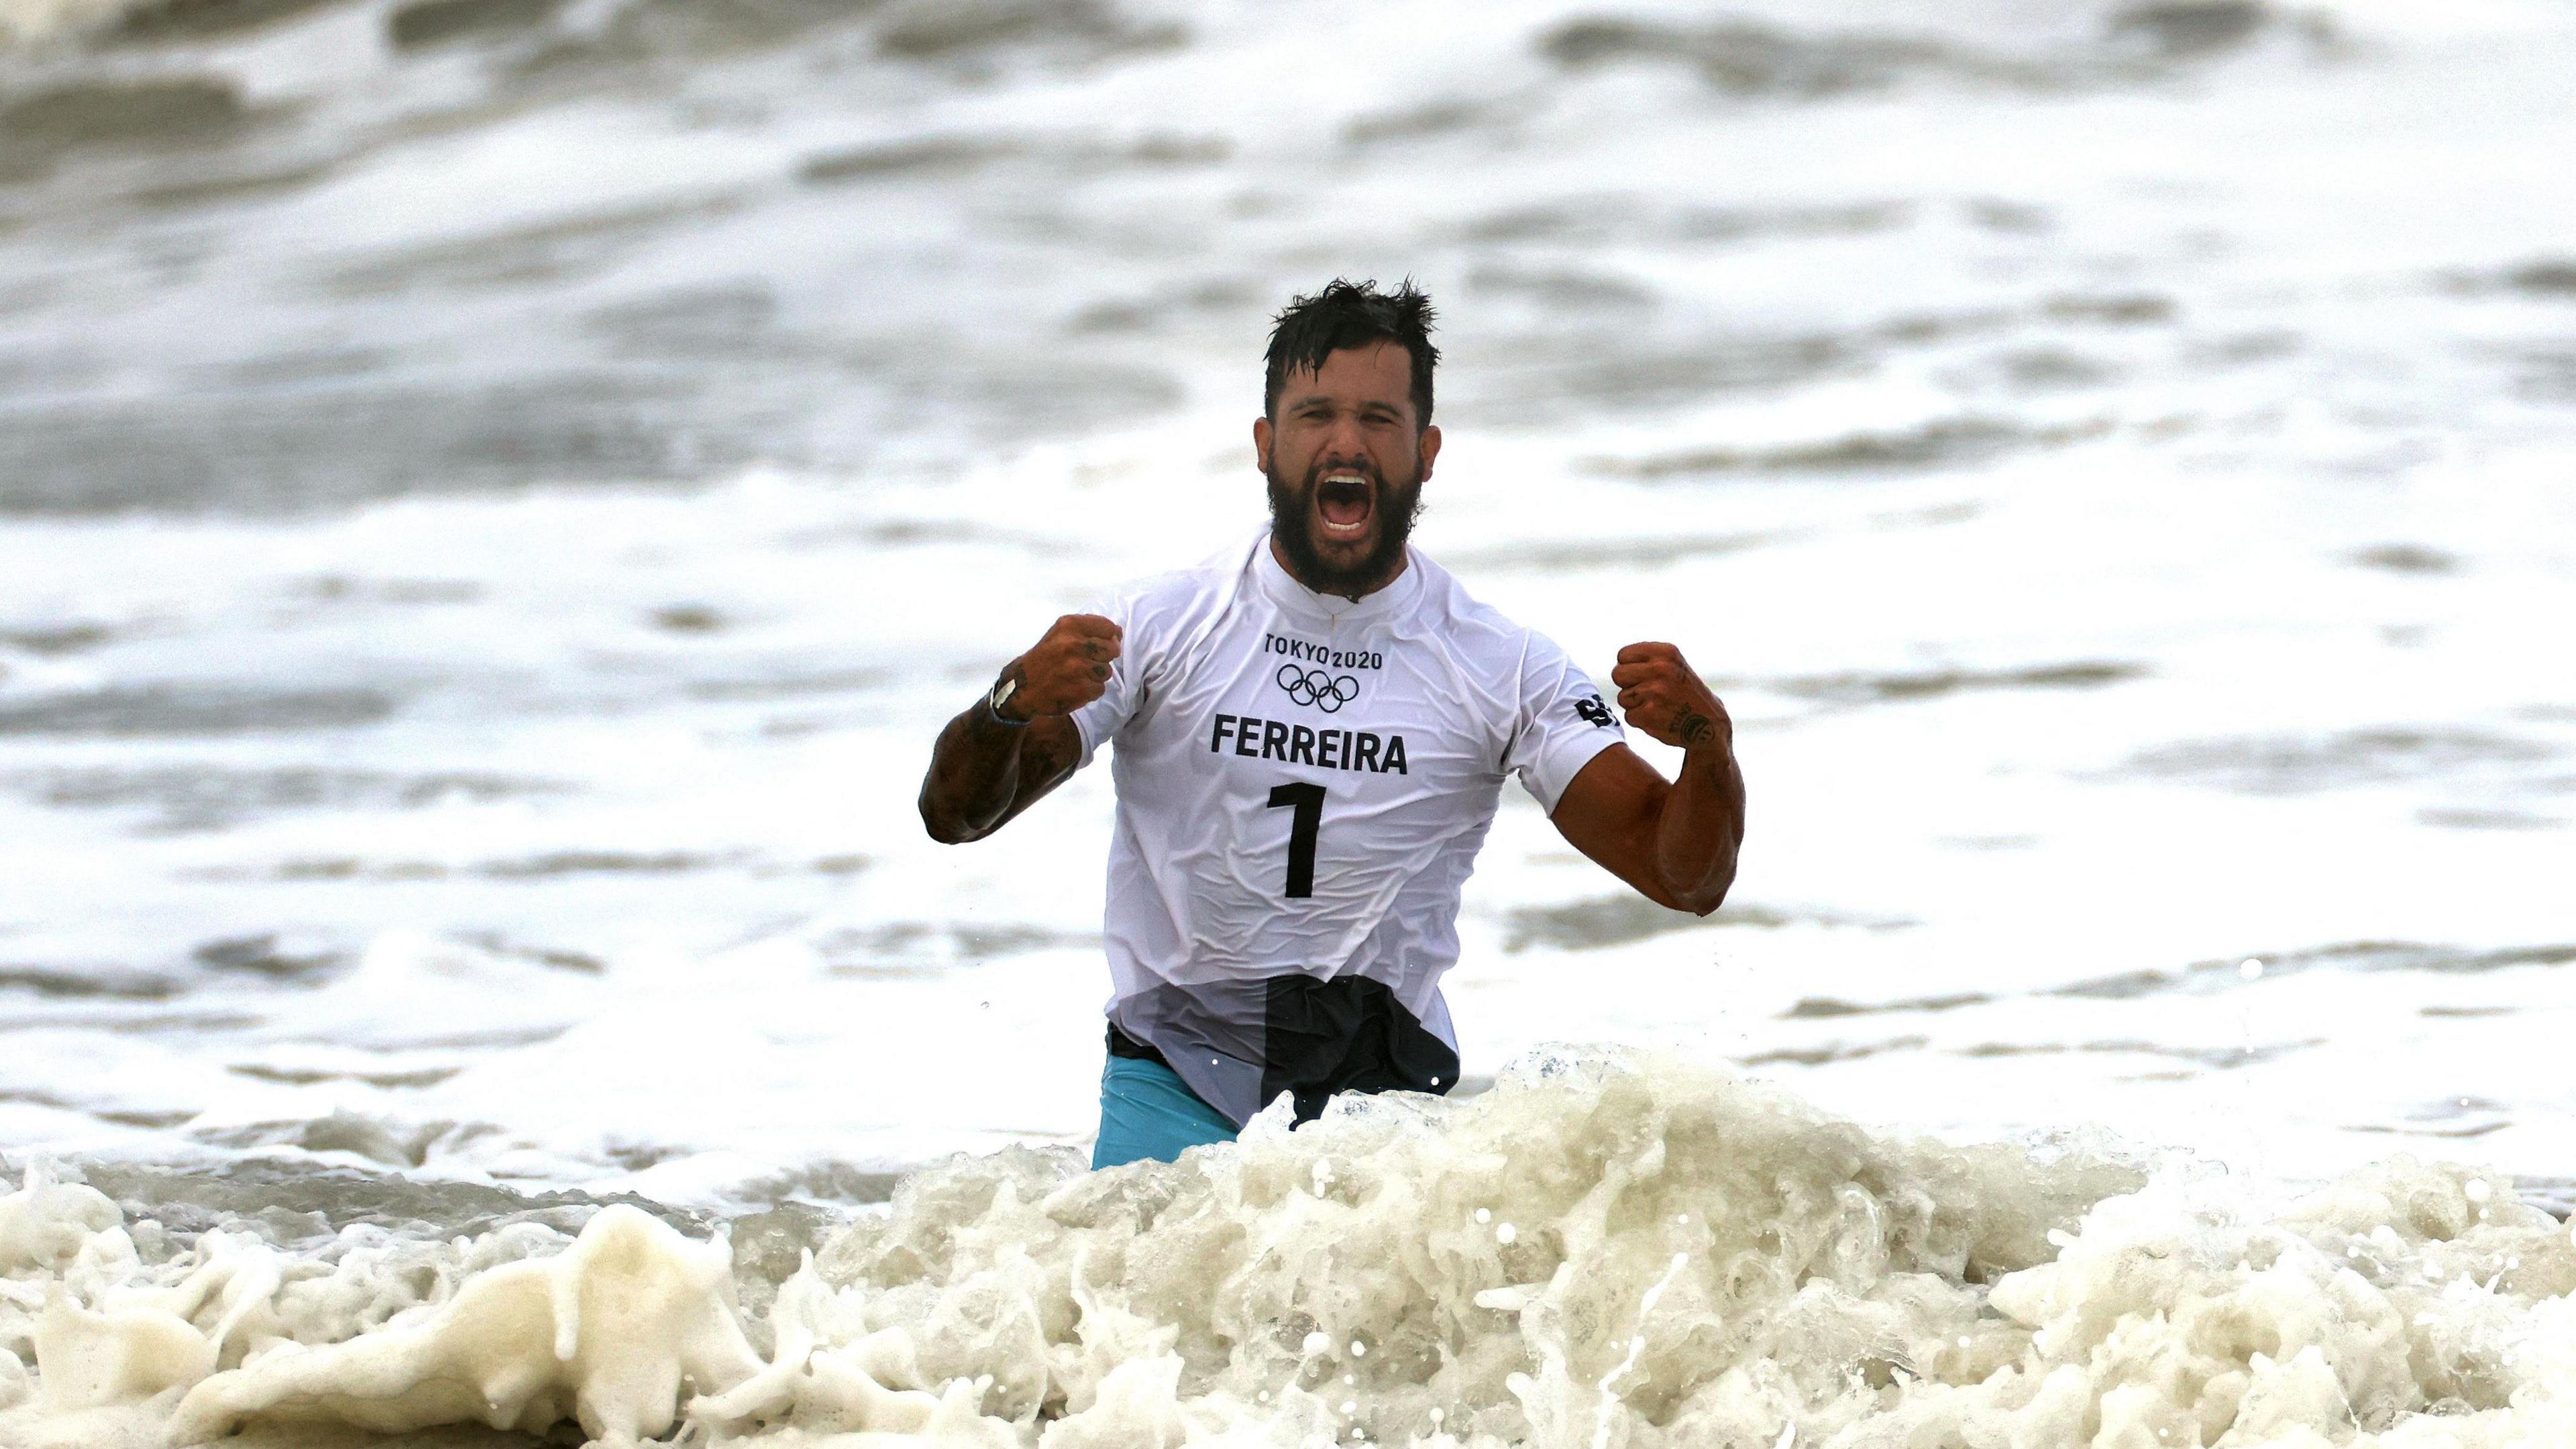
<point>496,497</point>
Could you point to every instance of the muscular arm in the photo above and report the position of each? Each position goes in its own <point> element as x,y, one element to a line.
<point>986,769</point>
<point>983,772</point>
<point>1674,841</point>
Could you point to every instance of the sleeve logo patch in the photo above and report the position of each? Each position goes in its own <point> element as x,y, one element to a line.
<point>1592,709</point>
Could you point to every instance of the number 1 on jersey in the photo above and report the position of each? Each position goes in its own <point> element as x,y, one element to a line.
<point>1309,803</point>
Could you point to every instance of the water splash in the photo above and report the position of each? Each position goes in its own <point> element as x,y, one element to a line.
<point>1703,1261</point>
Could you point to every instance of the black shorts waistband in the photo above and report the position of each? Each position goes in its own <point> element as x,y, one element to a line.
<point>1123,1045</point>
<point>1246,1041</point>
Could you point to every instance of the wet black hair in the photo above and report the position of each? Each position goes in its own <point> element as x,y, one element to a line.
<point>1352,314</point>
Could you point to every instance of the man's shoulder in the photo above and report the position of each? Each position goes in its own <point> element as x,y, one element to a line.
<point>1467,620</point>
<point>1181,593</point>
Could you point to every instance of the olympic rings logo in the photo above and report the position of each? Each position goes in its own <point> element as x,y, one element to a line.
<point>1327,692</point>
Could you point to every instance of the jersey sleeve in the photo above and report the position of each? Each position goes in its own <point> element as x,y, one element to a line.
<point>1563,723</point>
<point>1122,697</point>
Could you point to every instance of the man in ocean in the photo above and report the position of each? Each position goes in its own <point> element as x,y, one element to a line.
<point>1312,731</point>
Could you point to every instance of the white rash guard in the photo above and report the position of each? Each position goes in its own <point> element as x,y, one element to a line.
<point>1303,783</point>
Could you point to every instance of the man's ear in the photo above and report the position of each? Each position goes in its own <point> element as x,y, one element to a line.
<point>1260,443</point>
<point>1430,448</point>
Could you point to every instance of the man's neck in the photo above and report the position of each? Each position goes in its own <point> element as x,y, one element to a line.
<point>1354,595</point>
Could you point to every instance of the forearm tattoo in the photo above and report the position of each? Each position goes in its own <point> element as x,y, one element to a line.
<point>1696,729</point>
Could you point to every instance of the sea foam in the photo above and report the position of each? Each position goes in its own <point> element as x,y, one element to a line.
<point>1601,1251</point>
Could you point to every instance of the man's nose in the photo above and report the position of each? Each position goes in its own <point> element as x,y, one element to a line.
<point>1343,441</point>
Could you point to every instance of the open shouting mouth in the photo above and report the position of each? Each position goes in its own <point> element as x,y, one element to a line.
<point>1345,501</point>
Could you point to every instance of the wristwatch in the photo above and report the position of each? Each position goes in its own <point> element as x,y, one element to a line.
<point>1003,689</point>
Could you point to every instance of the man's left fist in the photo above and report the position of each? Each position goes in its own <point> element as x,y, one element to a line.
<point>1662,696</point>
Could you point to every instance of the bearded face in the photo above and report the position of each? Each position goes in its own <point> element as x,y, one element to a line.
<point>1346,461</point>
<point>1343,524</point>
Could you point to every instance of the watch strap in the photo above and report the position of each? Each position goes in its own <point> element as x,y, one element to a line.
<point>999,695</point>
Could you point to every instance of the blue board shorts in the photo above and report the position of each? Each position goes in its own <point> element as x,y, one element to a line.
<point>1146,1110</point>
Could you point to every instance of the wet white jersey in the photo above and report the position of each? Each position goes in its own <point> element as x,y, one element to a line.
<point>1303,783</point>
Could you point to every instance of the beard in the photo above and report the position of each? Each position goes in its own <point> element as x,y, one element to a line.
<point>1393,507</point>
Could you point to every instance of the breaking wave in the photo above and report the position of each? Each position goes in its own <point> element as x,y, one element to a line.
<point>1601,1251</point>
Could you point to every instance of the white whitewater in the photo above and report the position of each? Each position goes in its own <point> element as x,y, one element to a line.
<point>1597,1252</point>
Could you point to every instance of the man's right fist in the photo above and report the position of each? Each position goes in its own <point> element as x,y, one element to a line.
<point>1064,671</point>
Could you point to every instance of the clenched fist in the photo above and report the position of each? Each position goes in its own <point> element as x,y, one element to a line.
<point>1064,671</point>
<point>1661,695</point>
